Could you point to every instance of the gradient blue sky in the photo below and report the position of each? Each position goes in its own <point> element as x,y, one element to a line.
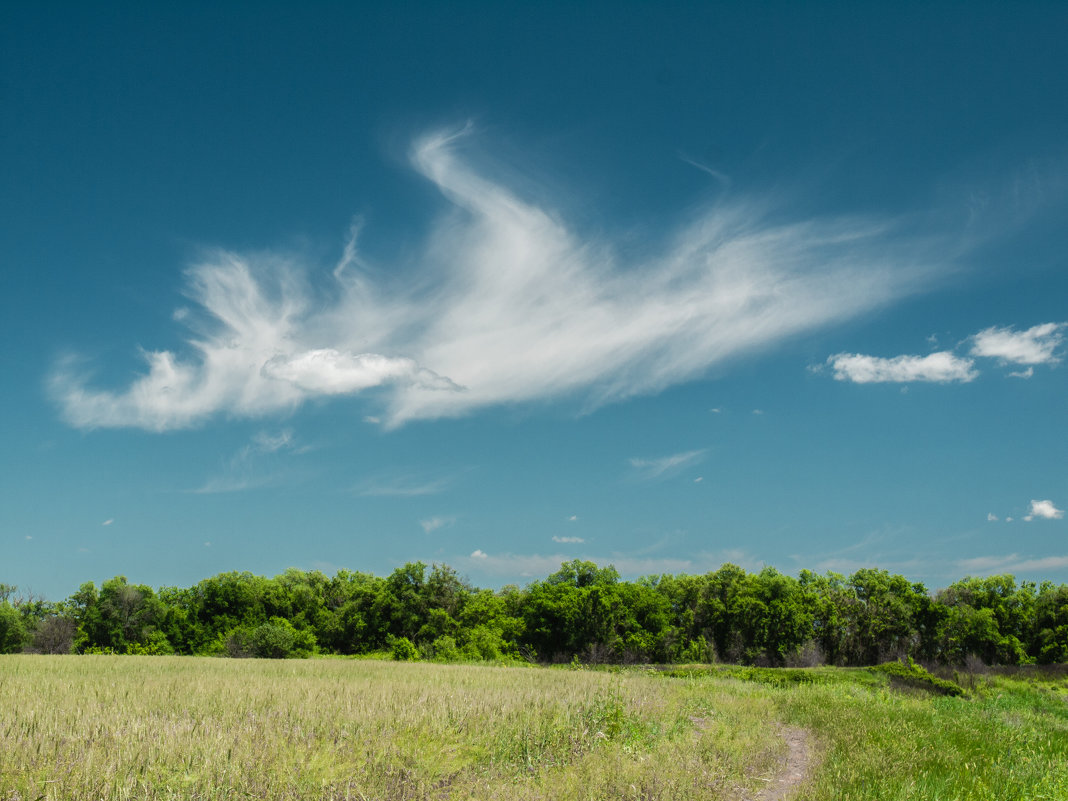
<point>322,285</point>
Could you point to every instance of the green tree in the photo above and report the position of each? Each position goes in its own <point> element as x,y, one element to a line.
<point>1002,624</point>
<point>1049,640</point>
<point>12,632</point>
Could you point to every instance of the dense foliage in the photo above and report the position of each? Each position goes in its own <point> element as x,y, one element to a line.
<point>582,612</point>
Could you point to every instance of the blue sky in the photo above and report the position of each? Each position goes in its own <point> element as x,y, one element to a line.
<point>500,286</point>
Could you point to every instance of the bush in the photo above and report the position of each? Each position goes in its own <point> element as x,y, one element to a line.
<point>275,639</point>
<point>403,650</point>
<point>444,649</point>
<point>486,644</point>
<point>155,644</point>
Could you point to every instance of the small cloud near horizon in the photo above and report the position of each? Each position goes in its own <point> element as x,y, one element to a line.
<point>1011,563</point>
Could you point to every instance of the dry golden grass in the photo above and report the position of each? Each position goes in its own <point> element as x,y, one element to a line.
<point>120,727</point>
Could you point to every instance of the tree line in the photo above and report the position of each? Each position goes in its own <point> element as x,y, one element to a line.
<point>582,612</point>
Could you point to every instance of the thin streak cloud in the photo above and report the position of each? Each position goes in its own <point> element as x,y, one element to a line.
<point>506,303</point>
<point>651,469</point>
<point>403,486</point>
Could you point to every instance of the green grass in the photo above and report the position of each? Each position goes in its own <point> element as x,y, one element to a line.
<point>111,727</point>
<point>1008,740</point>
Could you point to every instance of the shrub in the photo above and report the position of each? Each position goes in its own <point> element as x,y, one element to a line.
<point>275,639</point>
<point>915,676</point>
<point>403,650</point>
<point>444,649</point>
<point>485,643</point>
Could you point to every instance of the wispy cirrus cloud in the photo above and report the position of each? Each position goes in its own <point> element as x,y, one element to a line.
<point>255,465</point>
<point>1012,563</point>
<point>568,540</point>
<point>941,367</point>
<point>404,486</point>
<point>663,466</point>
<point>505,303</point>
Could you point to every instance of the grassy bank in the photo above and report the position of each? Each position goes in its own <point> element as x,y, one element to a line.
<point>169,728</point>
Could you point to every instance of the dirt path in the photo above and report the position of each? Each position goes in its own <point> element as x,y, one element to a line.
<point>793,769</point>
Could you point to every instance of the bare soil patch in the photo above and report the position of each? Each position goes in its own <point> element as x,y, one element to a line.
<point>793,770</point>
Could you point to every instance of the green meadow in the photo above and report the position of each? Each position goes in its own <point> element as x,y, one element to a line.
<point>128,727</point>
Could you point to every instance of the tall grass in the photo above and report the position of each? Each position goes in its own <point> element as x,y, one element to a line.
<point>109,727</point>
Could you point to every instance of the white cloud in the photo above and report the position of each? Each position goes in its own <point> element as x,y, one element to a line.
<point>1028,373</point>
<point>271,443</point>
<point>649,469</point>
<point>28,537</point>
<point>539,566</point>
<point>940,367</point>
<point>1036,345</point>
<point>991,517</point>
<point>1045,510</point>
<point>505,300</point>
<point>698,480</point>
<point>434,523</point>
<point>573,518</point>
<point>1012,563</point>
<point>568,539</point>
<point>108,522</point>
<point>326,371</point>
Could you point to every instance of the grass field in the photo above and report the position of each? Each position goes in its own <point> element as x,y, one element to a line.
<point>111,727</point>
